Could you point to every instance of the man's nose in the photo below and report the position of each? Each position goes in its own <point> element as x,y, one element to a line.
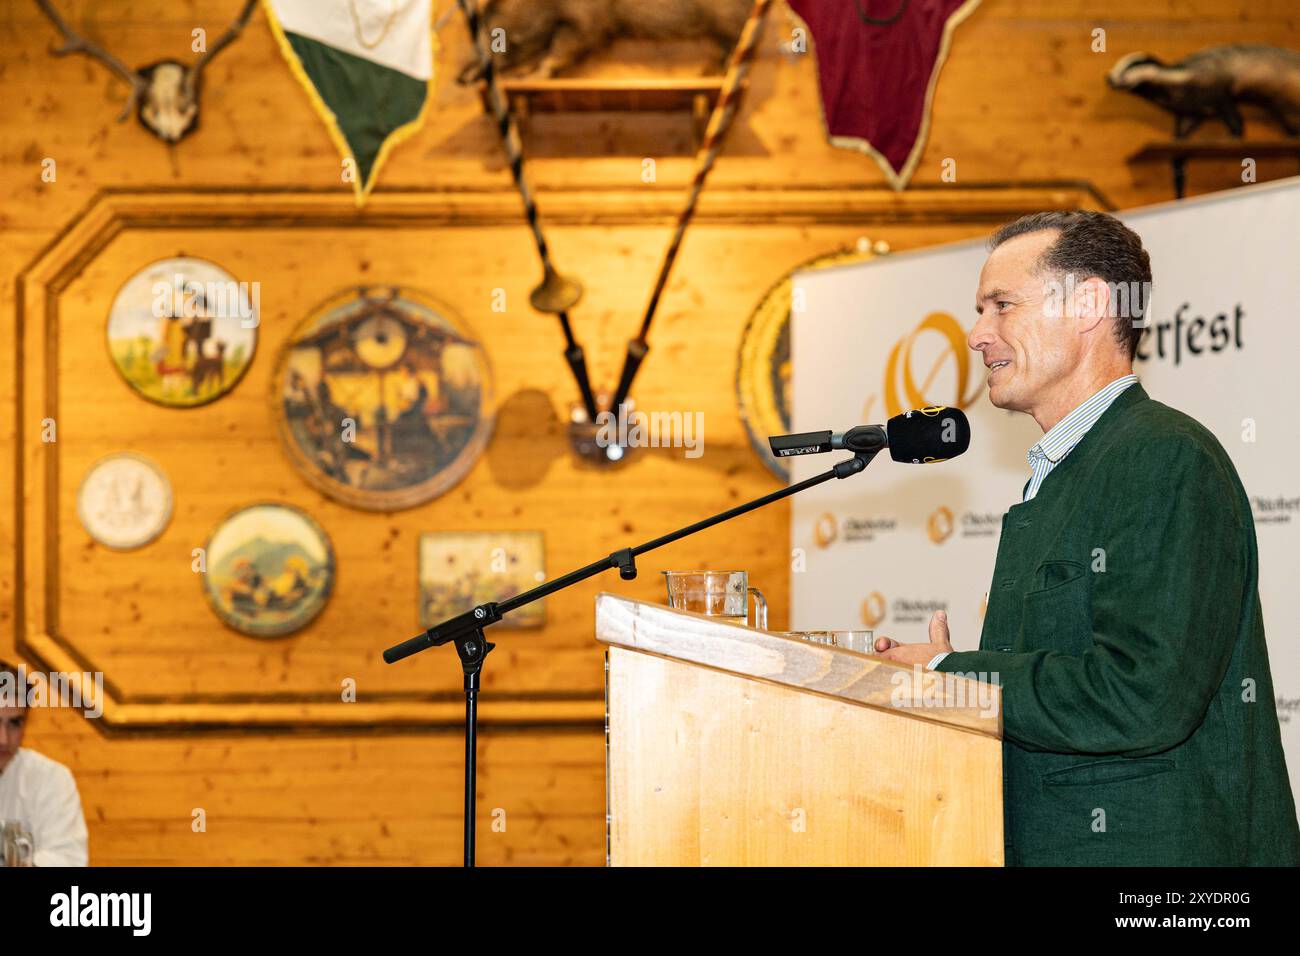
<point>981,335</point>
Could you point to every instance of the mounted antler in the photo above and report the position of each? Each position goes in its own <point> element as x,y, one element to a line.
<point>236,27</point>
<point>74,42</point>
<point>166,93</point>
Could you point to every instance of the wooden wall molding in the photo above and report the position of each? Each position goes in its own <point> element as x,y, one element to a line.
<point>112,212</point>
<point>114,209</point>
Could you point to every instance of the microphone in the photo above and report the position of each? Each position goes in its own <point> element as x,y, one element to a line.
<point>922,436</point>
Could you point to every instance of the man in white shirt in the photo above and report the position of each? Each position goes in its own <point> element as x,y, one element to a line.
<point>35,790</point>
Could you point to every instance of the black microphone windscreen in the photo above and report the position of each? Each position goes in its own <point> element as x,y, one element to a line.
<point>927,435</point>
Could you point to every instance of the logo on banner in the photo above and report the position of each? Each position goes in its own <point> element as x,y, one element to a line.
<point>974,524</point>
<point>873,609</point>
<point>916,610</point>
<point>939,526</point>
<point>902,390</point>
<point>867,529</point>
<point>1277,510</point>
<point>825,530</point>
<point>980,524</point>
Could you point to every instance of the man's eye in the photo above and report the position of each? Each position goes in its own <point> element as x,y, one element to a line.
<point>1003,305</point>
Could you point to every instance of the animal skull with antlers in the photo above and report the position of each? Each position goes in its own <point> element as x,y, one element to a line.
<point>166,93</point>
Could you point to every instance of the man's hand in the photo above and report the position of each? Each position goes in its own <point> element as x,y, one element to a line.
<point>918,653</point>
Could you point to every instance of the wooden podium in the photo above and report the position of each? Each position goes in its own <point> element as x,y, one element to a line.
<point>729,746</point>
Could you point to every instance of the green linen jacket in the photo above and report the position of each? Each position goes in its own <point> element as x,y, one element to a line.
<point>1124,627</point>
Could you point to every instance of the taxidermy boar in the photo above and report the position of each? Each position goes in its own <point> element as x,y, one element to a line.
<point>1212,82</point>
<point>548,36</point>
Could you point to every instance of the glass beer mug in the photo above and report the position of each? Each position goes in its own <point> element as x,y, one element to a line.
<point>722,594</point>
<point>16,845</point>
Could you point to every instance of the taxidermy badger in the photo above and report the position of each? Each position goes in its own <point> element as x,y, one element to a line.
<point>1211,82</point>
<point>548,36</point>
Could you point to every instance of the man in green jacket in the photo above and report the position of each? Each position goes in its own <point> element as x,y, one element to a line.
<point>1123,619</point>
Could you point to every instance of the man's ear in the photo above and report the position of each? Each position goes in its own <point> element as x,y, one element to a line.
<point>1091,304</point>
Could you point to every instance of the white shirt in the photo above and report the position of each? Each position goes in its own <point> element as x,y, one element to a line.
<point>41,793</point>
<point>1059,442</point>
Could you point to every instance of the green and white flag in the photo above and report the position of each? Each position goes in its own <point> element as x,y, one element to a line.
<point>367,66</point>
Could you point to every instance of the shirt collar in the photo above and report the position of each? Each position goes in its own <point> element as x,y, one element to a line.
<point>1061,438</point>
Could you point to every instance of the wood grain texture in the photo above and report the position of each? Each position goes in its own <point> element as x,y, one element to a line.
<point>1021,99</point>
<point>867,680</point>
<point>171,663</point>
<point>709,768</point>
<point>332,799</point>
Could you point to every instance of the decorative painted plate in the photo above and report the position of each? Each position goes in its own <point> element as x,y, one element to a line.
<point>182,331</point>
<point>270,569</point>
<point>763,368</point>
<point>384,399</point>
<point>125,501</point>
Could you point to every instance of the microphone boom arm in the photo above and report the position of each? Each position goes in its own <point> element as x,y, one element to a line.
<point>491,612</point>
<point>466,630</point>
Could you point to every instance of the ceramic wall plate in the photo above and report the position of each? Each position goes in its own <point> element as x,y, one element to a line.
<point>124,501</point>
<point>182,331</point>
<point>270,569</point>
<point>763,366</point>
<point>384,399</point>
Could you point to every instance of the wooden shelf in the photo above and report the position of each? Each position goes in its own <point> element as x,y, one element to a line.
<point>1215,149</point>
<point>1178,152</point>
<point>696,95</point>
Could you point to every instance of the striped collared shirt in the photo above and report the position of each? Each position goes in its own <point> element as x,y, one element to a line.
<point>1068,432</point>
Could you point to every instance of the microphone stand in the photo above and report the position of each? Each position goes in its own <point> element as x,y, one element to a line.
<point>465,631</point>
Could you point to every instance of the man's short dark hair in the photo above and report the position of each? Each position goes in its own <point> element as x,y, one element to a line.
<point>1092,244</point>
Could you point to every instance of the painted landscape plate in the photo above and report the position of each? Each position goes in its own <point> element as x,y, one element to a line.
<point>182,331</point>
<point>270,570</point>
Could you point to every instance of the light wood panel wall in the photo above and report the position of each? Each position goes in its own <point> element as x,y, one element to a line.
<point>1021,100</point>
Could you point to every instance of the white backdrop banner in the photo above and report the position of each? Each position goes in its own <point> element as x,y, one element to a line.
<point>885,548</point>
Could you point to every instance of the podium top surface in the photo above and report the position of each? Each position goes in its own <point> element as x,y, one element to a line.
<point>862,679</point>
